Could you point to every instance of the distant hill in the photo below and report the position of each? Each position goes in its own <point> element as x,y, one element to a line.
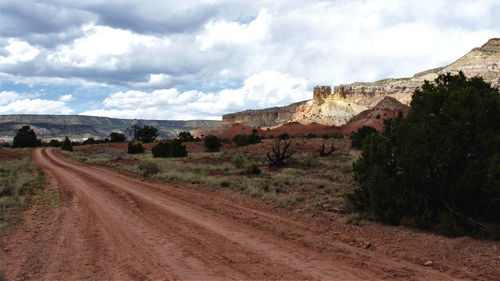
<point>82,127</point>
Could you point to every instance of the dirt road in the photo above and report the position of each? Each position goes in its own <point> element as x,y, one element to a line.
<point>113,226</point>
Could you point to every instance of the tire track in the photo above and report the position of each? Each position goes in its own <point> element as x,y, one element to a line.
<point>115,226</point>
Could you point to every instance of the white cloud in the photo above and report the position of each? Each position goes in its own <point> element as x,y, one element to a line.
<point>224,32</point>
<point>18,51</point>
<point>7,97</point>
<point>103,47</point>
<point>15,103</point>
<point>258,91</point>
<point>66,98</point>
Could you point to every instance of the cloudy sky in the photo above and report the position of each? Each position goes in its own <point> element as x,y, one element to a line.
<point>202,59</point>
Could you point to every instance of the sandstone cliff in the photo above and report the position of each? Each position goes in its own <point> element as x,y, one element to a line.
<point>348,100</point>
<point>264,117</point>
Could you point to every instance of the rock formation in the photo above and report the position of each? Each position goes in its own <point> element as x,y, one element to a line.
<point>388,107</point>
<point>322,92</point>
<point>262,118</point>
<point>348,100</point>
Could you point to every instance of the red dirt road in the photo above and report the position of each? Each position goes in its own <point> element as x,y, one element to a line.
<point>111,226</point>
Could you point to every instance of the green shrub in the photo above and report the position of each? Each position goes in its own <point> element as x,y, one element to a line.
<point>212,143</point>
<point>358,137</point>
<point>284,136</point>
<point>89,141</point>
<point>54,143</point>
<point>311,136</point>
<point>244,140</point>
<point>252,169</point>
<point>185,137</point>
<point>169,148</point>
<point>67,145</point>
<point>440,166</point>
<point>135,147</point>
<point>145,134</point>
<point>25,137</point>
<point>6,190</point>
<point>225,183</point>
<point>117,137</point>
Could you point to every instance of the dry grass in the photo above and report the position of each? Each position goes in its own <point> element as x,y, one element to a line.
<point>21,185</point>
<point>309,182</point>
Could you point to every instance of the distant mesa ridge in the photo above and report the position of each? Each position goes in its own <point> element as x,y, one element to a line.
<point>83,127</point>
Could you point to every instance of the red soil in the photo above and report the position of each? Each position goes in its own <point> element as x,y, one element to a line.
<point>7,154</point>
<point>113,226</point>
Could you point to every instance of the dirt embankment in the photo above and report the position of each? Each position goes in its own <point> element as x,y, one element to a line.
<point>112,226</point>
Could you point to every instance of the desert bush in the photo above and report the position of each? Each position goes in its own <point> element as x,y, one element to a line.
<point>145,134</point>
<point>54,143</point>
<point>169,148</point>
<point>135,147</point>
<point>238,161</point>
<point>212,143</point>
<point>117,137</point>
<point>25,137</point>
<point>311,136</point>
<point>361,134</point>
<point>185,137</point>
<point>7,190</point>
<point>252,169</point>
<point>439,166</point>
<point>244,140</point>
<point>149,168</point>
<point>284,136</point>
<point>89,141</point>
<point>67,145</point>
<point>225,183</point>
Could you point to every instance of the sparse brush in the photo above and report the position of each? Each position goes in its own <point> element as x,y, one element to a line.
<point>354,219</point>
<point>279,154</point>
<point>238,161</point>
<point>323,153</point>
<point>149,168</point>
<point>252,169</point>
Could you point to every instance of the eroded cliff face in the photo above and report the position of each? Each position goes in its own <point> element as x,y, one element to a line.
<point>262,118</point>
<point>326,112</point>
<point>483,61</point>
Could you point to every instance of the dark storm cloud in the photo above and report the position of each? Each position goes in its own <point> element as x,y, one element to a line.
<point>159,19</point>
<point>34,19</point>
